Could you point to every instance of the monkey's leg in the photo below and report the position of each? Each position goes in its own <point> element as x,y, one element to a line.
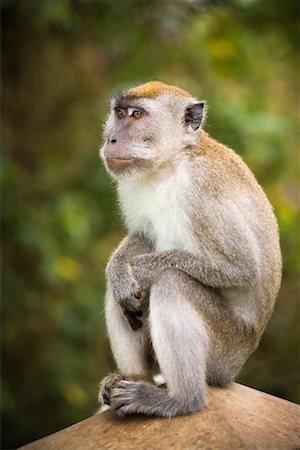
<point>128,346</point>
<point>180,343</point>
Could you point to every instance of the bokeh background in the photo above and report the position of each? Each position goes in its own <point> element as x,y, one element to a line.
<point>61,59</point>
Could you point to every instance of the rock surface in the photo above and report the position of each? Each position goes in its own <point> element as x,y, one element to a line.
<point>237,418</point>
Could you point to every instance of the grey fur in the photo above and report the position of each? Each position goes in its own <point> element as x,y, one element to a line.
<point>198,305</point>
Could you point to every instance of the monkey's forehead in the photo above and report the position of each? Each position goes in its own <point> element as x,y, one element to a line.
<point>153,89</point>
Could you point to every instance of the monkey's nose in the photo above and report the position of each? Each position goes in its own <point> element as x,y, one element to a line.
<point>113,141</point>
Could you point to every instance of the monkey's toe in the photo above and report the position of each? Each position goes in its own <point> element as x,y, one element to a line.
<point>106,386</point>
<point>128,397</point>
<point>124,397</point>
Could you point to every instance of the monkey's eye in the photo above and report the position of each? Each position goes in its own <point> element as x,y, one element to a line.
<point>120,113</point>
<point>137,114</point>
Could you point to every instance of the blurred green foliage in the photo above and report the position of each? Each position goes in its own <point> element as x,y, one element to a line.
<point>61,60</point>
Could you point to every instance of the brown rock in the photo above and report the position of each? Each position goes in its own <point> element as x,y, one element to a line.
<point>237,418</point>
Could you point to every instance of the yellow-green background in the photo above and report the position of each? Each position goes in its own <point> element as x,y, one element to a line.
<point>61,59</point>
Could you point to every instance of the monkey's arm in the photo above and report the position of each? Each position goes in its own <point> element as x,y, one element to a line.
<point>216,271</point>
<point>124,285</point>
<point>225,252</point>
<point>118,269</point>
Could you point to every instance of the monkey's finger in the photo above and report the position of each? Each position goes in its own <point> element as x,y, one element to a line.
<point>128,313</point>
<point>106,398</point>
<point>140,294</point>
<point>127,305</point>
<point>133,314</point>
<point>132,318</point>
<point>135,323</point>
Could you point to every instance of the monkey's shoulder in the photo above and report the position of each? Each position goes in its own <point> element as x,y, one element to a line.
<point>219,170</point>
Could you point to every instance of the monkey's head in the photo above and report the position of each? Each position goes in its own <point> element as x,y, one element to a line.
<point>149,126</point>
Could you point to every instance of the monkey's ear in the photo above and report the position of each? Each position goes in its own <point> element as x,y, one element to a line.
<point>194,114</point>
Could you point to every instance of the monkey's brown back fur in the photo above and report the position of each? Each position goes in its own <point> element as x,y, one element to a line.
<point>229,178</point>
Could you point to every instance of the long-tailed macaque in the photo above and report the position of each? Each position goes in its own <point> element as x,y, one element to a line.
<point>193,284</point>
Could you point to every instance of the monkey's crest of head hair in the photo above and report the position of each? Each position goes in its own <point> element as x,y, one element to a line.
<point>154,88</point>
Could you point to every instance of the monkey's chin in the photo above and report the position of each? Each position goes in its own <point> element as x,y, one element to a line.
<point>127,168</point>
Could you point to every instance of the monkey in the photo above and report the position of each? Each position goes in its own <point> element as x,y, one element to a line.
<point>191,287</point>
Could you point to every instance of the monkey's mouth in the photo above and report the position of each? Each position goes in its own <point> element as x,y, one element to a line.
<point>120,164</point>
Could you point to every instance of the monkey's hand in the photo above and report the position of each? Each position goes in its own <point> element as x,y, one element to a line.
<point>127,291</point>
<point>125,287</point>
<point>132,299</point>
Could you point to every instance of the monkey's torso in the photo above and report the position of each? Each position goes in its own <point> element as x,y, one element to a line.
<point>196,207</point>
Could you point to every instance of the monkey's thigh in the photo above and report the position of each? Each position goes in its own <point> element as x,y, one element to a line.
<point>227,349</point>
<point>191,320</point>
<point>129,346</point>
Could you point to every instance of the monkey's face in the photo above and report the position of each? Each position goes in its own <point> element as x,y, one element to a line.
<point>142,134</point>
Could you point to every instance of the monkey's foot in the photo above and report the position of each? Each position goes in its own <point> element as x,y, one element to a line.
<point>106,386</point>
<point>130,397</point>
<point>124,395</point>
<point>127,397</point>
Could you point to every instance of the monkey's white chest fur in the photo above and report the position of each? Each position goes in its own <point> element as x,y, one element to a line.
<point>157,208</point>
